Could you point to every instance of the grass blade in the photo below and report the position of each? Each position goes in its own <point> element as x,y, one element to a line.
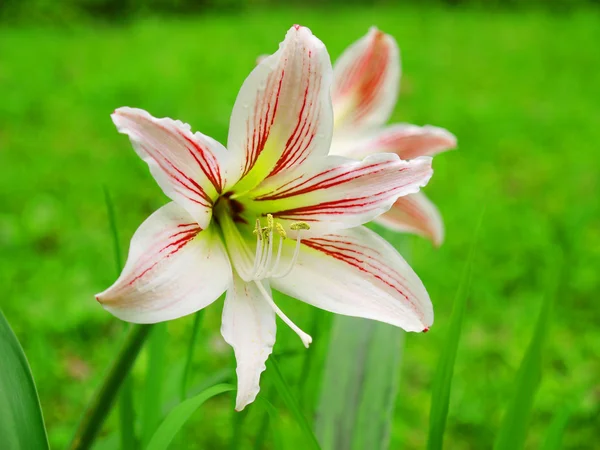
<point>442,381</point>
<point>126,409</point>
<point>272,418</point>
<point>309,380</point>
<point>179,416</point>
<point>514,425</point>
<point>152,412</point>
<point>356,404</point>
<point>286,394</point>
<point>190,353</point>
<point>99,407</point>
<point>21,422</point>
<point>127,416</point>
<point>557,429</point>
<point>114,231</point>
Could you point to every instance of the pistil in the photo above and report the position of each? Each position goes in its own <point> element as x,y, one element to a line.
<point>306,339</point>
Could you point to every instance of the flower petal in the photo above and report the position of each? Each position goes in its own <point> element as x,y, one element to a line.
<point>282,115</point>
<point>415,213</point>
<point>174,268</point>
<point>185,165</point>
<point>357,273</point>
<point>249,327</point>
<point>405,140</point>
<point>366,79</point>
<point>340,193</point>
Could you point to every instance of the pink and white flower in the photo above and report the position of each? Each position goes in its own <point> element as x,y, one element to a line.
<point>272,211</point>
<point>366,80</point>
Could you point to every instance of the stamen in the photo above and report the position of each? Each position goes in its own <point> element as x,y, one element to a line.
<point>258,253</point>
<point>296,226</point>
<point>269,255</point>
<point>306,339</point>
<point>263,258</point>
<point>278,259</point>
<point>280,230</point>
<point>294,259</point>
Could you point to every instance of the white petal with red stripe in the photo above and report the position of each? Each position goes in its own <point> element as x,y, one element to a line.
<point>282,115</point>
<point>187,166</point>
<point>173,269</point>
<point>405,140</point>
<point>249,327</point>
<point>415,213</point>
<point>339,192</point>
<point>357,273</point>
<point>366,80</point>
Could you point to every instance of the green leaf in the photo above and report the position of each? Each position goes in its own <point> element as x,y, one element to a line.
<point>114,230</point>
<point>513,429</point>
<point>155,373</point>
<point>21,421</point>
<point>272,417</point>
<point>360,378</point>
<point>179,416</point>
<point>442,380</point>
<point>360,382</point>
<point>286,394</point>
<point>127,416</point>
<point>557,429</point>
<point>126,409</point>
<point>309,380</point>
<point>190,353</point>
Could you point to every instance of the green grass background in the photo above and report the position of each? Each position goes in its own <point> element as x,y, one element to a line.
<point>521,90</point>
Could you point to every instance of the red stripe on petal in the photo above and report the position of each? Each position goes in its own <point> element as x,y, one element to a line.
<point>175,242</point>
<point>261,131</point>
<point>358,256</point>
<point>207,163</point>
<point>304,130</point>
<point>364,78</point>
<point>328,179</point>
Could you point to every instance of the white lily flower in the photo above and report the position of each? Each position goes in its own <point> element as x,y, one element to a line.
<point>366,81</point>
<point>273,210</point>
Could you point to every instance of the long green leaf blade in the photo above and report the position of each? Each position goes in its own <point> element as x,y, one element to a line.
<point>557,429</point>
<point>360,378</point>
<point>356,403</point>
<point>21,421</point>
<point>273,418</point>
<point>513,429</point>
<point>286,394</point>
<point>190,353</point>
<point>179,415</point>
<point>442,381</point>
<point>126,409</point>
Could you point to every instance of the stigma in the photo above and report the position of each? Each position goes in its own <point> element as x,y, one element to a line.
<point>267,258</point>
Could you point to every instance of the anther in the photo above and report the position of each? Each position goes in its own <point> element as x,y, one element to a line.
<point>264,267</point>
<point>297,226</point>
<point>280,230</point>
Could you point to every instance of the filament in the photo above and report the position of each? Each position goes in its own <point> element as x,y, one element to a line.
<point>306,339</point>
<point>264,266</point>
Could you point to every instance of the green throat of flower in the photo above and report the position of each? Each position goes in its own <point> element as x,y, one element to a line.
<point>270,236</point>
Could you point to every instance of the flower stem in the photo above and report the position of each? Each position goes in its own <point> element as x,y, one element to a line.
<point>102,402</point>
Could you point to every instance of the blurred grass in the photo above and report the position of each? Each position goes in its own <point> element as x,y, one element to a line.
<point>520,90</point>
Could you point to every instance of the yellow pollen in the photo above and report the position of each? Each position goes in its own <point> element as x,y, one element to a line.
<point>299,226</point>
<point>280,230</point>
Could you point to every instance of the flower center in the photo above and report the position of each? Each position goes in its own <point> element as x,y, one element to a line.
<point>230,206</point>
<point>265,266</point>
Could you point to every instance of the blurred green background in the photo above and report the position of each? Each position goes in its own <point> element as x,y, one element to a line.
<point>519,85</point>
